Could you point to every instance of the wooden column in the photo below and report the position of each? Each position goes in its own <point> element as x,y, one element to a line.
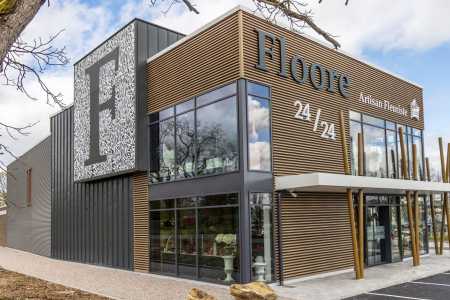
<point>361,204</point>
<point>408,197</point>
<point>433,212</point>
<point>416,205</point>
<point>447,177</point>
<point>443,196</point>
<point>351,210</point>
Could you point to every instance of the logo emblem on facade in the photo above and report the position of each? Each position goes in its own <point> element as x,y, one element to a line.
<point>105,109</point>
<point>415,110</point>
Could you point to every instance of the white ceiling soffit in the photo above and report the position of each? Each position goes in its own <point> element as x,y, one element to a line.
<point>328,182</point>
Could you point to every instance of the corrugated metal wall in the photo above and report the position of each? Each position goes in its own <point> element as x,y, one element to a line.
<point>315,234</point>
<point>91,222</point>
<point>28,227</point>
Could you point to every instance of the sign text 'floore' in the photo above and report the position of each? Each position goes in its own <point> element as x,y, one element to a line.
<point>321,78</point>
<point>383,104</point>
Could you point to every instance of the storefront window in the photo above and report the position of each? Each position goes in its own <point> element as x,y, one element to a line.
<point>355,128</point>
<point>162,242</point>
<point>375,151</point>
<point>391,143</point>
<point>217,137</point>
<point>201,233</point>
<point>262,255</point>
<point>167,150</point>
<point>196,137</point>
<point>382,151</point>
<point>185,144</point>
<point>258,127</point>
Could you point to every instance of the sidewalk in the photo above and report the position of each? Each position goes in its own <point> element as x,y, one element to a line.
<point>119,284</point>
<point>344,285</point>
<point>112,283</point>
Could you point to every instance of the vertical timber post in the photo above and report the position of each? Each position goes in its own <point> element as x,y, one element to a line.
<point>408,197</point>
<point>444,197</point>
<point>351,209</point>
<point>433,213</point>
<point>447,177</point>
<point>416,205</point>
<point>361,204</point>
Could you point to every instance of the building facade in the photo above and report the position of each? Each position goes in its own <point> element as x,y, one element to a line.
<point>180,155</point>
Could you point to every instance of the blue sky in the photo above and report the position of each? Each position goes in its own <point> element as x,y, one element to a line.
<point>407,37</point>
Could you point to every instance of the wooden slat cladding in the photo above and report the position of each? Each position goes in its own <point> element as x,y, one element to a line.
<point>315,234</point>
<point>141,222</point>
<point>296,148</point>
<point>201,63</point>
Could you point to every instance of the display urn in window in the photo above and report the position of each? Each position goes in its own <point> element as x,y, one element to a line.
<point>227,243</point>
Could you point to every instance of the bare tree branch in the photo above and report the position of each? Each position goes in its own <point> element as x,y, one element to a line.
<point>296,14</point>
<point>33,59</point>
<point>171,3</point>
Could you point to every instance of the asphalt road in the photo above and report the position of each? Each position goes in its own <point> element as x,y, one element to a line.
<point>436,287</point>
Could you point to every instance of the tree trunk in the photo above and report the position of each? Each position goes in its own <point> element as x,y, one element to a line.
<point>13,23</point>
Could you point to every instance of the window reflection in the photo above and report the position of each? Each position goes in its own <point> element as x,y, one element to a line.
<point>355,128</point>
<point>259,133</point>
<point>167,150</point>
<point>200,139</point>
<point>258,127</point>
<point>185,144</point>
<point>391,143</point>
<point>382,149</point>
<point>374,150</point>
<point>217,137</point>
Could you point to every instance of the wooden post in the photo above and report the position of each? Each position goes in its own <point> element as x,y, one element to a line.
<point>361,204</point>
<point>416,205</point>
<point>447,177</point>
<point>408,198</point>
<point>443,196</point>
<point>351,210</point>
<point>433,213</point>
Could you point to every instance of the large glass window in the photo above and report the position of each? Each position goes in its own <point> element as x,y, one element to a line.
<point>196,137</point>
<point>217,137</point>
<point>374,151</point>
<point>382,151</point>
<point>196,237</point>
<point>258,127</point>
<point>355,128</point>
<point>391,143</point>
<point>185,144</point>
<point>262,252</point>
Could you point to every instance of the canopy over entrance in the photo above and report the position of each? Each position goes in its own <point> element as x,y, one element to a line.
<point>329,182</point>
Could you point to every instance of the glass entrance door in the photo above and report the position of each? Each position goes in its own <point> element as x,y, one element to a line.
<point>377,227</point>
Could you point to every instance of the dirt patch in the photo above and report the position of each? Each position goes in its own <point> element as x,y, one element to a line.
<point>17,286</point>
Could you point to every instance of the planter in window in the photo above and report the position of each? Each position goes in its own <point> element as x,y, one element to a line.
<point>227,244</point>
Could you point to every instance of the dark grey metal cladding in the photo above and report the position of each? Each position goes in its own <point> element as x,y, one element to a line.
<point>150,40</point>
<point>28,227</point>
<point>91,221</point>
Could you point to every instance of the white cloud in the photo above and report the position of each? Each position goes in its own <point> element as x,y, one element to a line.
<point>370,24</point>
<point>385,25</point>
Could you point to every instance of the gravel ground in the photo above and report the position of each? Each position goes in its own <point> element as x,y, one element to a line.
<point>18,286</point>
<point>103,281</point>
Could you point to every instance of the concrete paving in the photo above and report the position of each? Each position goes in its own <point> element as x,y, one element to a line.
<point>112,283</point>
<point>344,285</point>
<point>119,284</point>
